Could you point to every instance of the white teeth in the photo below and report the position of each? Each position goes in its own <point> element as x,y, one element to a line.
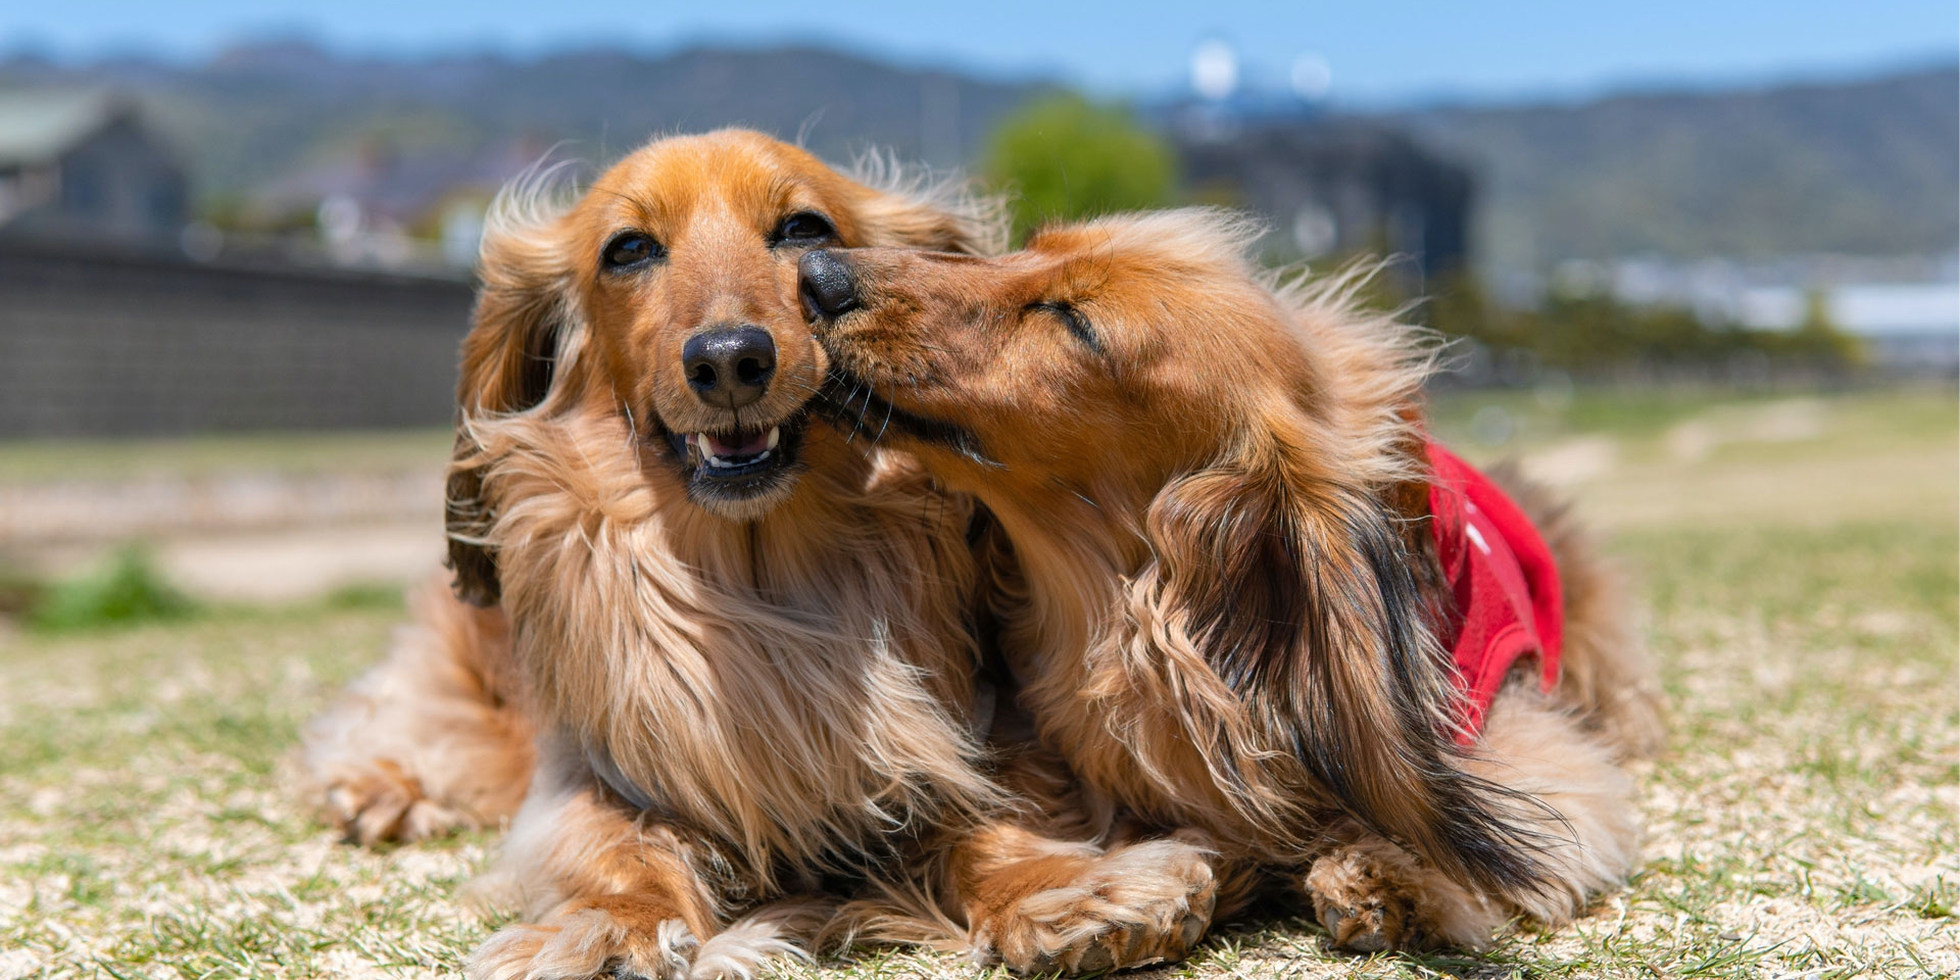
<point>698,442</point>
<point>721,464</point>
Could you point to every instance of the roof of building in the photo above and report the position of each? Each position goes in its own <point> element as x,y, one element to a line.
<point>38,126</point>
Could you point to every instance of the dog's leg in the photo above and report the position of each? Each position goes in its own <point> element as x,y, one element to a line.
<point>786,928</point>
<point>606,892</point>
<point>1371,895</point>
<point>430,740</point>
<point>1040,892</point>
<point>1037,904</point>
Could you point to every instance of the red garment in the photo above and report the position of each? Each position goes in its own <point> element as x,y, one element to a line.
<point>1508,600</point>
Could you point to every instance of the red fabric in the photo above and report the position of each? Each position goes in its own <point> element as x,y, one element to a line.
<point>1508,601</point>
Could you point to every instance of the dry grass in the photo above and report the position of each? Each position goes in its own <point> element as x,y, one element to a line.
<point>1803,823</point>
<point>190,457</point>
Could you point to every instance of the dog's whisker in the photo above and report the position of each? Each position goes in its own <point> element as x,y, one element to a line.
<point>1078,494</point>
<point>890,407</point>
<point>864,409</point>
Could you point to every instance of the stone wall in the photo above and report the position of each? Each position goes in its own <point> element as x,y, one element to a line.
<point>96,342</point>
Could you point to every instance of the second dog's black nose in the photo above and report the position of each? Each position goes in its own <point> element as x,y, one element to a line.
<point>824,281</point>
<point>729,368</point>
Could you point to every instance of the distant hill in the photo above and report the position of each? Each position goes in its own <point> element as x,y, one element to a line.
<point>1869,167</point>
<point>255,113</point>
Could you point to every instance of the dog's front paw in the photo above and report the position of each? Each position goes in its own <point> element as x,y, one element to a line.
<point>587,943</point>
<point>382,802</point>
<point>1144,903</point>
<point>1362,909</point>
<point>1372,897</point>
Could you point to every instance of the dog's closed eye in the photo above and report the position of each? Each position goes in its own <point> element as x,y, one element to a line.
<point>1078,325</point>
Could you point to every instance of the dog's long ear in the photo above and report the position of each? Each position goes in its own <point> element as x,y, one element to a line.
<point>1301,593</point>
<point>909,210</point>
<point>509,363</point>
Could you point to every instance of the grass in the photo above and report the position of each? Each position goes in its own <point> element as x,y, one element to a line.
<point>1638,459</point>
<point>128,589</point>
<point>286,454</point>
<point>1802,823</point>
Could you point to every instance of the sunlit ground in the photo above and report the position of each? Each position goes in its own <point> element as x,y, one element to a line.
<point>1795,561</point>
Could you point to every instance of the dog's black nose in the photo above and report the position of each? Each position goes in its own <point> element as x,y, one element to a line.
<point>823,279</point>
<point>729,368</point>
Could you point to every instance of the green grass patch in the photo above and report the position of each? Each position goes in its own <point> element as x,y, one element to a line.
<point>127,590</point>
<point>1892,416</point>
<point>365,595</point>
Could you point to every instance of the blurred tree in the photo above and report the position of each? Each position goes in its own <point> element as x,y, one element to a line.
<point>1065,157</point>
<point>1819,339</point>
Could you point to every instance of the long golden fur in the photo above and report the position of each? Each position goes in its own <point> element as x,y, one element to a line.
<point>739,689</point>
<point>1213,577</point>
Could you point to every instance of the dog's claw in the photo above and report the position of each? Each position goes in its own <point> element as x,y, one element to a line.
<point>1193,928</point>
<point>1355,931</point>
<point>1095,959</point>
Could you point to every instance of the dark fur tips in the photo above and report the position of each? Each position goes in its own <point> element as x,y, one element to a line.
<point>466,519</point>
<point>509,363</point>
<point>1305,599</point>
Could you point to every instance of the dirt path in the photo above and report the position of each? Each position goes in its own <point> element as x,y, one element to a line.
<point>235,536</point>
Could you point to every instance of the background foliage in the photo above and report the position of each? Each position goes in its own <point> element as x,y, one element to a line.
<point>1064,158</point>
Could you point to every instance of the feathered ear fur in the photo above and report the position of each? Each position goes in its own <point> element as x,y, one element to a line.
<point>510,360</point>
<point>912,210</point>
<point>1304,596</point>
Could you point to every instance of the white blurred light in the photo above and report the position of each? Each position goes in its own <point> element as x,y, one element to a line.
<point>1312,77</point>
<point>339,218</point>
<point>1315,231</point>
<point>462,233</point>
<point>1214,70</point>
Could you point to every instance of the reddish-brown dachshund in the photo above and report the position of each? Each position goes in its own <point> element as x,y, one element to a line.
<point>743,647</point>
<point>1217,579</point>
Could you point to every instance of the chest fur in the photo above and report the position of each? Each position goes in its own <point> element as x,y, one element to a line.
<point>797,690</point>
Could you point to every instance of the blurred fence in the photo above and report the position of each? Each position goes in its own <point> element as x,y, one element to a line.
<point>105,343</point>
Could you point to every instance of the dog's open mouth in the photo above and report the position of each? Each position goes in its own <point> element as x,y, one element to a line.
<point>740,466</point>
<point>733,455</point>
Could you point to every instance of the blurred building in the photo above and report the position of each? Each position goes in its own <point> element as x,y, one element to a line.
<point>120,316</point>
<point>1905,309</point>
<point>83,164</point>
<point>381,206</point>
<point>1335,187</point>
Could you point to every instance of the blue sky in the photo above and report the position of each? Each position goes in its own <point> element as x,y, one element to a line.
<point>1379,50</point>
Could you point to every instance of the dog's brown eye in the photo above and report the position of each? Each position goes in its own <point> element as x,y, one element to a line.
<point>630,249</point>
<point>805,228</point>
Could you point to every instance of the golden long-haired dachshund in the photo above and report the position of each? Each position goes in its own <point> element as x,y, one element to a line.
<point>741,646</point>
<point>1243,594</point>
